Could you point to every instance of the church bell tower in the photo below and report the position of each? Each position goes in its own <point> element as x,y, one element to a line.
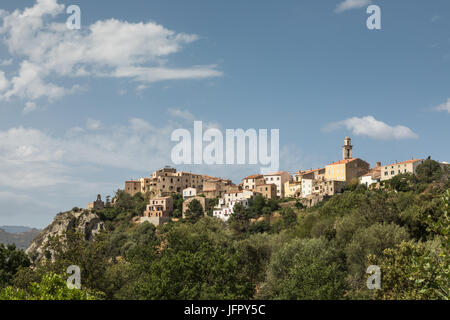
<point>347,149</point>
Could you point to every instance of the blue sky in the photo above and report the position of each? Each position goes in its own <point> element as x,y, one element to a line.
<point>83,110</point>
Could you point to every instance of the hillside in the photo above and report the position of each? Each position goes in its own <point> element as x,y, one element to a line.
<point>274,249</point>
<point>16,229</point>
<point>22,239</point>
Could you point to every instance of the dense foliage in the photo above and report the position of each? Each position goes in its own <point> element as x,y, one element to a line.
<point>268,251</point>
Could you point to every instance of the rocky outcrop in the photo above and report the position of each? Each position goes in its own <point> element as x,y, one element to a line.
<point>82,221</point>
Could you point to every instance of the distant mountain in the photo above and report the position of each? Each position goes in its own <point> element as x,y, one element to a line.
<point>16,229</point>
<point>21,239</point>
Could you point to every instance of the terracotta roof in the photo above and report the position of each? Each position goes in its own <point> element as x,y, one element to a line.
<point>371,172</point>
<point>309,171</point>
<point>403,162</point>
<point>276,173</point>
<point>206,177</point>
<point>343,161</point>
<point>255,176</point>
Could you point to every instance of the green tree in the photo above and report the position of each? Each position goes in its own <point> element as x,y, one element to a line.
<point>177,213</point>
<point>429,171</point>
<point>289,217</point>
<point>52,287</point>
<point>194,211</point>
<point>240,218</point>
<point>298,204</point>
<point>403,182</point>
<point>74,249</point>
<point>177,202</point>
<point>11,260</point>
<point>412,271</point>
<point>259,227</point>
<point>371,240</point>
<point>305,269</point>
<point>198,262</point>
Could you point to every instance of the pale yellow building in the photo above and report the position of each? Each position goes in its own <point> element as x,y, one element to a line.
<point>293,189</point>
<point>347,169</point>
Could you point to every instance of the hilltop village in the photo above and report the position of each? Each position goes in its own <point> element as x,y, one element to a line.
<point>308,187</point>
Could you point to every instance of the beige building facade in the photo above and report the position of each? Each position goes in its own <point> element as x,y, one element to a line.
<point>132,187</point>
<point>268,191</point>
<point>391,170</point>
<point>159,207</point>
<point>250,182</point>
<point>164,182</point>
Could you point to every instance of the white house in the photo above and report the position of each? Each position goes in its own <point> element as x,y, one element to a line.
<point>278,179</point>
<point>225,207</point>
<point>306,187</point>
<point>371,177</point>
<point>189,193</point>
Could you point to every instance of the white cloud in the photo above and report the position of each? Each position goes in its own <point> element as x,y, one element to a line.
<point>51,52</point>
<point>6,62</point>
<point>29,107</point>
<point>4,83</point>
<point>93,124</point>
<point>351,4</point>
<point>31,158</point>
<point>444,107</point>
<point>140,125</point>
<point>182,114</point>
<point>369,126</point>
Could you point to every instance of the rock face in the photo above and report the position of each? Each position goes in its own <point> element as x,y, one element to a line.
<point>82,221</point>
